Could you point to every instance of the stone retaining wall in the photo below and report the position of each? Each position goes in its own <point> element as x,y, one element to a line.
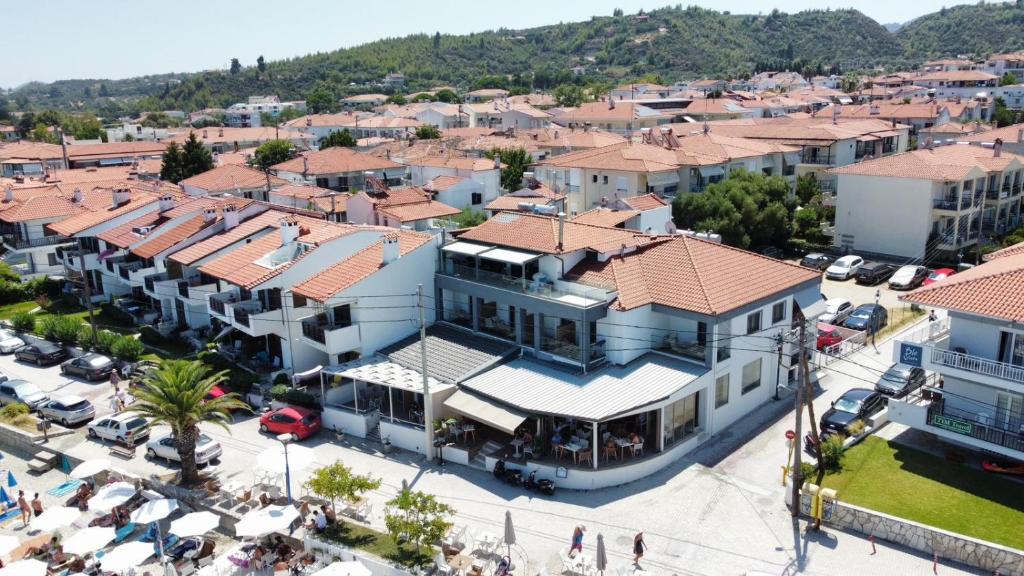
<point>992,558</point>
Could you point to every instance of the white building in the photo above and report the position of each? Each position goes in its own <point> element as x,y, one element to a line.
<point>485,173</point>
<point>339,169</point>
<point>1000,64</point>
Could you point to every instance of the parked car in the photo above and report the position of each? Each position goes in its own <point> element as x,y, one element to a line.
<point>207,449</point>
<point>301,423</point>
<point>41,352</point>
<point>828,335</point>
<point>900,380</point>
<point>935,276</point>
<point>817,260</point>
<point>871,317</point>
<point>855,404</point>
<point>68,410</point>
<point>872,273</point>
<point>836,310</point>
<point>90,366</point>
<point>9,341</point>
<point>908,277</point>
<point>771,252</point>
<point>844,268</point>
<point>124,427</point>
<point>23,392</point>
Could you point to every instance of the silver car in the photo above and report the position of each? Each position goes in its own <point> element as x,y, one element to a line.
<point>22,391</point>
<point>9,341</point>
<point>68,410</point>
<point>207,449</point>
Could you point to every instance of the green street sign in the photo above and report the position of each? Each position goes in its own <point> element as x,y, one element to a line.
<point>952,424</point>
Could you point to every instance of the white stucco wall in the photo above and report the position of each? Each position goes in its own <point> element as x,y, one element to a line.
<point>884,215</point>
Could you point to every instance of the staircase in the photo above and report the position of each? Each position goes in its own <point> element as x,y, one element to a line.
<point>489,448</point>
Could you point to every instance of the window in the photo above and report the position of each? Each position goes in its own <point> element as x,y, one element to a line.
<point>751,376</point>
<point>681,418</point>
<point>321,182</point>
<point>298,300</point>
<point>476,198</point>
<point>594,178</point>
<point>604,180</point>
<point>753,322</point>
<point>51,259</point>
<point>778,312</point>
<point>724,334</point>
<point>722,390</point>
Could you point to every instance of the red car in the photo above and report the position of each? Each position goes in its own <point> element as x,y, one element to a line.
<point>939,274</point>
<point>828,335</point>
<point>301,423</point>
<point>215,392</point>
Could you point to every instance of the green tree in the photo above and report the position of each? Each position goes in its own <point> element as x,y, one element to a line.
<point>807,187</point>
<point>417,516</point>
<point>437,40</point>
<point>321,100</point>
<point>468,218</point>
<point>175,395</point>
<point>337,482</point>
<point>1008,79</point>
<point>272,152</point>
<point>807,224</point>
<point>104,91</point>
<point>84,126</point>
<point>569,95</point>
<point>236,66</point>
<point>447,96</point>
<point>397,99</point>
<point>516,161</point>
<point>341,138</point>
<point>428,132</point>
<point>171,167</point>
<point>1001,115</point>
<point>42,133</point>
<point>195,158</point>
<point>261,64</point>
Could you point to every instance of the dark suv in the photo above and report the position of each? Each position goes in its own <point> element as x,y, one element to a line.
<point>855,404</point>
<point>816,261</point>
<point>899,380</point>
<point>872,273</point>
<point>869,317</point>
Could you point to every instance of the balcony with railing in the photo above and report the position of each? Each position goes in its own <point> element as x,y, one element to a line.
<point>149,283</point>
<point>253,317</point>
<point>219,305</point>
<point>570,294</point>
<point>952,203</point>
<point>125,269</point>
<point>933,340</point>
<point>817,156</point>
<point>332,338</point>
<point>195,289</point>
<point>680,344</point>
<point>15,241</point>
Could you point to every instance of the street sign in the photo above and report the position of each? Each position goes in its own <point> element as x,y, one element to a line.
<point>790,434</point>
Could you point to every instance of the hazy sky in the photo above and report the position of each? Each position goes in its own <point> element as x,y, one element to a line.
<point>49,40</point>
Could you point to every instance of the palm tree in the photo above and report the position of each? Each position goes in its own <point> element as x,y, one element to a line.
<point>175,395</point>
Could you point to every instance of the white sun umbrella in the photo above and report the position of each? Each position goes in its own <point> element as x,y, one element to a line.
<point>354,568</point>
<point>194,524</point>
<point>8,543</point>
<point>29,567</point>
<point>262,521</point>
<point>154,510</point>
<point>125,556</point>
<point>88,540</point>
<point>272,459</point>
<point>54,518</point>
<point>90,468</point>
<point>111,495</point>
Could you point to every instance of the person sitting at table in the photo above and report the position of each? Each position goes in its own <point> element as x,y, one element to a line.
<point>329,514</point>
<point>283,550</point>
<point>81,497</point>
<point>318,522</point>
<point>257,557</point>
<point>557,442</point>
<point>527,438</point>
<point>634,438</point>
<point>265,500</point>
<point>77,565</point>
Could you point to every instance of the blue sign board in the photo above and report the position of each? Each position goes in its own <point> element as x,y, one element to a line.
<point>910,354</point>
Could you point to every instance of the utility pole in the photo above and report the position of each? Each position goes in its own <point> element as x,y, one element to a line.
<point>798,405</point>
<point>809,389</point>
<point>87,289</point>
<point>778,367</point>
<point>428,411</point>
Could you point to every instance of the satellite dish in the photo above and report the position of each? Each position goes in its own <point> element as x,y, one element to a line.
<point>670,227</point>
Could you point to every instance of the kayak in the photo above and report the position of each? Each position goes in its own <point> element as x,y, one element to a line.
<point>1003,467</point>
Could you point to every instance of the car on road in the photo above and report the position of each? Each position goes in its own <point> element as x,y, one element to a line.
<point>771,252</point>
<point>89,366</point>
<point>207,449</point>
<point>908,277</point>
<point>844,268</point>
<point>836,310</point>
<point>870,317</point>
<point>22,392</point>
<point>816,260</point>
<point>9,342</point>
<point>126,428</point>
<point>68,410</point>
<point>900,380</point>
<point>301,423</point>
<point>855,404</point>
<point>871,273</point>
<point>828,335</point>
<point>936,276</point>
<point>41,352</point>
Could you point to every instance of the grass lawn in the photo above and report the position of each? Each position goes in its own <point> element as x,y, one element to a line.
<point>380,544</point>
<point>9,310</point>
<point>918,486</point>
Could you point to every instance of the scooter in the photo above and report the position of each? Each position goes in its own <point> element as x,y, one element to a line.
<point>544,486</point>
<point>512,476</point>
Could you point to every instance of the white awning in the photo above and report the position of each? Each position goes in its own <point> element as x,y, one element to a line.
<point>466,248</point>
<point>509,256</point>
<point>227,330</point>
<point>709,171</point>
<point>486,411</point>
<point>812,305</point>
<point>663,178</point>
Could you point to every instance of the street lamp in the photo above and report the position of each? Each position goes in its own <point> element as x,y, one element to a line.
<point>284,439</point>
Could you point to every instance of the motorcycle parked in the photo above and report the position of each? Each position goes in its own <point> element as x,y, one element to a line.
<point>544,486</point>
<point>513,476</point>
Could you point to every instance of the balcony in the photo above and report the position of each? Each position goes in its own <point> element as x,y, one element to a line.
<point>125,269</point>
<point>976,425</point>
<point>332,338</point>
<point>932,342</point>
<point>252,317</point>
<point>576,296</point>
<point>219,304</point>
<point>674,343</point>
<point>815,156</point>
<point>138,276</point>
<point>951,204</point>
<point>16,242</point>
<point>962,420</point>
<point>963,361</point>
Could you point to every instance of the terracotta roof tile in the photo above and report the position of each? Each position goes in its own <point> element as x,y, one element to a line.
<point>942,163</point>
<point>200,250</point>
<point>992,289</point>
<point>88,219</point>
<point>229,177</point>
<point>624,157</point>
<point>165,240</point>
<point>335,160</point>
<point>40,207</point>
<point>442,183</point>
<point>605,216</point>
<point>540,234</point>
<point>644,202</point>
<point>1008,251</point>
<point>418,211</point>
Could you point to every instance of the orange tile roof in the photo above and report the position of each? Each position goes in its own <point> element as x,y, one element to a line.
<point>1011,133</point>
<point>956,76</point>
<point>124,236</point>
<point>605,216</point>
<point>249,227</point>
<point>474,164</point>
<point>30,151</point>
<point>442,183</point>
<point>537,193</point>
<point>787,129</point>
<point>992,289</point>
<point>886,111</point>
<point>559,137</point>
<point>79,152</point>
<point>644,202</point>
<point>325,199</point>
<point>701,148</point>
<point>43,204</point>
<point>418,211</point>
<point>540,234</point>
<point>624,157</point>
<point>165,240</point>
<point>601,112</point>
<point>359,266</point>
<point>942,163</point>
<point>689,274</point>
<point>228,177</point>
<point>85,220</point>
<point>1008,251</point>
<point>335,160</point>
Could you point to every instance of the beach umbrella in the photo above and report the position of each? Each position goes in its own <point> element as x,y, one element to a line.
<point>154,510</point>
<point>8,543</point>
<point>510,532</point>
<point>272,459</point>
<point>602,554</point>
<point>29,567</point>
<point>194,524</point>
<point>353,568</point>
<point>89,540</point>
<point>65,464</point>
<point>54,518</point>
<point>11,482</point>
<point>90,468</point>
<point>262,521</point>
<point>125,556</point>
<point>111,495</point>
<point>4,497</point>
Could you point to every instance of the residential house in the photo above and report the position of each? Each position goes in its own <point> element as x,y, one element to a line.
<point>1011,136</point>
<point>339,169</point>
<point>363,101</point>
<point>917,116</point>
<point>136,132</point>
<point>1012,95</point>
<point>481,177</point>
<point>534,196</point>
<point>1002,64</point>
<point>220,140</point>
<point>394,80</point>
<point>951,131</point>
<point>485,95</point>
<point>29,159</point>
<point>645,213</point>
<point>305,197</point>
<point>242,118</point>
<point>948,65</point>
<point>235,180</point>
<point>633,91</point>
<point>440,114</point>
<point>272,105</point>
<point>963,83</point>
<point>410,208</point>
<point>624,118</point>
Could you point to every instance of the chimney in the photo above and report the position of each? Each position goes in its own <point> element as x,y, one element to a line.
<point>561,229</point>
<point>611,103</point>
<point>230,217</point>
<point>209,214</point>
<point>166,202</point>
<point>220,132</point>
<point>528,179</point>
<point>305,166</point>
<point>289,231</point>
<point>997,148</point>
<point>121,196</point>
<point>894,122</point>
<point>1020,136</point>
<point>205,135</point>
<point>78,196</point>
<point>9,194</point>
<point>390,250</point>
<point>309,121</point>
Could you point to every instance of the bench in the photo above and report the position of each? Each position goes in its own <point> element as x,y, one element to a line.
<point>123,451</point>
<point>43,461</point>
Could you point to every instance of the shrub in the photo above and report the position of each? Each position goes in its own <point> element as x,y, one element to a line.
<point>807,471</point>
<point>60,328</point>
<point>215,361</point>
<point>856,427</point>
<point>116,316</point>
<point>105,340</point>
<point>23,322</point>
<point>832,453</point>
<point>300,398</point>
<point>10,411</point>
<point>85,337</point>
<point>44,301</point>
<point>44,286</point>
<point>127,348</point>
<point>149,335</point>
<point>278,392</point>
<point>281,379</point>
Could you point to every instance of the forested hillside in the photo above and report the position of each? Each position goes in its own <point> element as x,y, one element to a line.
<point>969,29</point>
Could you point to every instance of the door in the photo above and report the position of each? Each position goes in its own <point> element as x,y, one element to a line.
<point>1009,408</point>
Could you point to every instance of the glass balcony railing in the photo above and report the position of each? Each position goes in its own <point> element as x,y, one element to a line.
<point>582,298</point>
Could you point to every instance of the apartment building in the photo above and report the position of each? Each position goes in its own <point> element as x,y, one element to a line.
<point>227,139</point>
<point>917,116</point>
<point>410,208</point>
<point>479,177</point>
<point>339,169</point>
<point>963,83</point>
<point>625,118</point>
<point>1001,64</point>
<point>1011,136</point>
<point>235,180</point>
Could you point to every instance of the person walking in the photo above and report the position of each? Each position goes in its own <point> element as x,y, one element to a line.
<point>115,379</point>
<point>577,541</point>
<point>26,510</point>
<point>638,548</point>
<point>37,505</point>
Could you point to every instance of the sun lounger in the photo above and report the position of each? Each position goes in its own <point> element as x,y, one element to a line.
<point>65,488</point>
<point>123,533</point>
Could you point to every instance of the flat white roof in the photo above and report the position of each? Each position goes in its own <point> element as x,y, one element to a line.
<point>467,248</point>
<point>380,370</point>
<point>509,256</point>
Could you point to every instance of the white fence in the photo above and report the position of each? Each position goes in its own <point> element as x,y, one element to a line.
<point>328,551</point>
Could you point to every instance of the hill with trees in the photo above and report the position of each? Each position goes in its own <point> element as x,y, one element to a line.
<point>974,29</point>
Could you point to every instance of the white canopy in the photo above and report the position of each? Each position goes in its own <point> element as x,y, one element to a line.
<point>194,524</point>
<point>54,518</point>
<point>509,256</point>
<point>31,567</point>
<point>709,171</point>
<point>466,248</point>
<point>155,510</point>
<point>273,459</point>
<point>262,521</point>
<point>88,540</point>
<point>127,556</point>
<point>111,495</point>
<point>90,468</point>
<point>353,568</point>
<point>7,543</point>
<point>486,411</point>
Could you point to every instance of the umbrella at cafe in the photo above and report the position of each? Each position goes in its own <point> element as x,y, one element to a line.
<point>602,554</point>
<point>88,540</point>
<point>11,482</point>
<point>353,568</point>
<point>126,556</point>
<point>29,567</point>
<point>90,468</point>
<point>8,543</point>
<point>111,495</point>
<point>194,524</point>
<point>510,533</point>
<point>262,521</point>
<point>54,518</point>
<point>154,510</point>
<point>273,460</point>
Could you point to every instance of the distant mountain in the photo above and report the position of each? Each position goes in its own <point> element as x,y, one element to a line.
<point>673,43</point>
<point>893,26</point>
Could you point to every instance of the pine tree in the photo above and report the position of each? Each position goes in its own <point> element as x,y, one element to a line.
<point>236,66</point>
<point>261,64</point>
<point>196,159</point>
<point>170,170</point>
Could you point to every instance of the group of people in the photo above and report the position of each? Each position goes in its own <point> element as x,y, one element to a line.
<point>576,546</point>
<point>81,497</point>
<point>119,397</point>
<point>321,519</point>
<point>281,550</point>
<point>28,509</point>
